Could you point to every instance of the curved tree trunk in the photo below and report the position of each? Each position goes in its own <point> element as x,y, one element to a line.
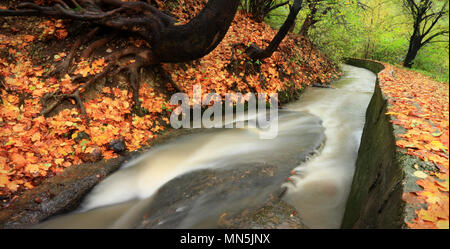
<point>255,53</point>
<point>169,42</point>
<point>199,37</point>
<point>308,23</point>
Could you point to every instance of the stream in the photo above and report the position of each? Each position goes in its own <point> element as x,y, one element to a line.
<point>198,179</point>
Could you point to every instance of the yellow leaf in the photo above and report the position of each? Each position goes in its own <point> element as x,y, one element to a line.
<point>393,113</point>
<point>420,174</point>
<point>36,137</point>
<point>3,180</point>
<point>32,168</point>
<point>436,145</point>
<point>442,224</point>
<point>28,185</point>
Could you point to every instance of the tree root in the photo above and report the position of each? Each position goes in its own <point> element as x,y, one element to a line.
<point>75,94</point>
<point>142,58</point>
<point>166,77</point>
<point>96,44</point>
<point>63,67</point>
<point>169,43</point>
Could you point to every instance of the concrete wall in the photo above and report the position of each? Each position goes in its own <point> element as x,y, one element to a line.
<point>383,171</point>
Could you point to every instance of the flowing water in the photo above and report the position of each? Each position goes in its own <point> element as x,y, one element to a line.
<point>191,181</point>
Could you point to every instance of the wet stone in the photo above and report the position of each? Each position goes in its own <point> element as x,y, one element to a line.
<point>94,155</point>
<point>118,145</point>
<point>82,135</point>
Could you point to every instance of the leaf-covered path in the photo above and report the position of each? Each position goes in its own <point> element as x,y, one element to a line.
<point>421,106</point>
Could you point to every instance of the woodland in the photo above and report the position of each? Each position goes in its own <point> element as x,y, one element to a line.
<point>84,80</point>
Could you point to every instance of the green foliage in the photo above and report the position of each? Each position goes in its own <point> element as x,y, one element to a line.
<point>372,29</point>
<point>388,47</point>
<point>337,37</point>
<point>277,17</point>
<point>432,61</point>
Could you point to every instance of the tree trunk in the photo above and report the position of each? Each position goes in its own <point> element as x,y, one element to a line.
<point>414,46</point>
<point>255,53</point>
<point>199,37</point>
<point>169,42</point>
<point>312,19</point>
<point>309,21</point>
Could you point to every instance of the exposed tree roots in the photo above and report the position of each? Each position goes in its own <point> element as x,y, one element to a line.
<point>142,58</point>
<point>63,67</point>
<point>168,42</point>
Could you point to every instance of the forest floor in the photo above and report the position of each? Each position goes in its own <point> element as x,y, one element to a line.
<point>34,147</point>
<point>421,106</point>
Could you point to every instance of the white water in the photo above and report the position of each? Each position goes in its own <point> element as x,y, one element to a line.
<point>321,186</point>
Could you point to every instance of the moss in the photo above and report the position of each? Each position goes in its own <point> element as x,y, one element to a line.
<point>383,171</point>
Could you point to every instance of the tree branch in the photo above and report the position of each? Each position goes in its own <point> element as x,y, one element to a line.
<point>428,40</point>
<point>277,6</point>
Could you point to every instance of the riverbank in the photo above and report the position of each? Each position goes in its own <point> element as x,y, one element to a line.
<point>43,158</point>
<point>229,178</point>
<point>34,147</point>
<point>63,192</point>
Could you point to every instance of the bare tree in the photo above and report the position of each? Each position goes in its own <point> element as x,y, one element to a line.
<point>426,16</point>
<point>318,9</point>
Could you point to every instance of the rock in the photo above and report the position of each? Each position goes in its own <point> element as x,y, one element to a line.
<point>118,145</point>
<point>65,190</point>
<point>320,85</point>
<point>93,154</point>
<point>60,193</point>
<point>82,135</point>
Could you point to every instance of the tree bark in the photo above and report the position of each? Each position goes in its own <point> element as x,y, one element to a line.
<point>308,23</point>
<point>425,20</point>
<point>169,42</point>
<point>199,37</point>
<point>414,47</point>
<point>255,53</point>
